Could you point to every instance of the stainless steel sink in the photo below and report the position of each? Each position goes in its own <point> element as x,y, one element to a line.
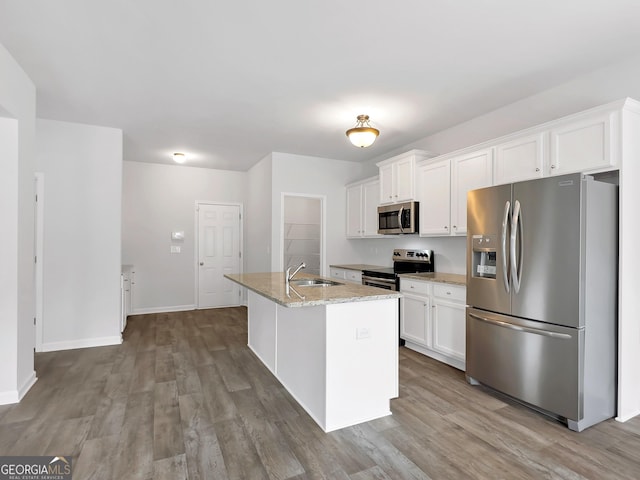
<point>313,282</point>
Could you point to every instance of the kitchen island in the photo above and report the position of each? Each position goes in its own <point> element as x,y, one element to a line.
<point>334,348</point>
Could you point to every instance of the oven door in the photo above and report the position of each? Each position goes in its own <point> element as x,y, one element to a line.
<point>378,282</point>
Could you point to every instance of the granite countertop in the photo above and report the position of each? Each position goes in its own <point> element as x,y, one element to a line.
<point>358,266</point>
<point>452,278</point>
<point>272,286</point>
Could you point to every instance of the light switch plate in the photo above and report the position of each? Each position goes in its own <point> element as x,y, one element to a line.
<point>362,333</point>
<point>177,235</point>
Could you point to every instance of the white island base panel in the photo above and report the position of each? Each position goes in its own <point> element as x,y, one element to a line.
<point>339,361</point>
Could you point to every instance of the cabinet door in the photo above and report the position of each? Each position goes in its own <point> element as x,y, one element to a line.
<point>414,319</point>
<point>449,329</point>
<point>387,189</point>
<point>520,159</point>
<point>434,189</point>
<point>354,211</point>
<point>468,172</point>
<point>404,178</point>
<point>583,145</point>
<point>370,201</point>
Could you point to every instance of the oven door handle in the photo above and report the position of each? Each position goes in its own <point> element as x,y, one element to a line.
<point>379,282</point>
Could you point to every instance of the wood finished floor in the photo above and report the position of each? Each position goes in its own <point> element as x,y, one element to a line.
<point>183,397</point>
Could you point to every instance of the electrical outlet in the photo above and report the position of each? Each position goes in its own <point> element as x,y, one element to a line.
<point>175,249</point>
<point>362,333</point>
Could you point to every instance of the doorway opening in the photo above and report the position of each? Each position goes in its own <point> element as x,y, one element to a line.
<point>303,231</point>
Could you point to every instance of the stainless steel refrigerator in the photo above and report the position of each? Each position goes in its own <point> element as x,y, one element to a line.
<point>541,295</point>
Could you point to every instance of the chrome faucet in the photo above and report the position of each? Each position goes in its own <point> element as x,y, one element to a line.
<point>289,276</point>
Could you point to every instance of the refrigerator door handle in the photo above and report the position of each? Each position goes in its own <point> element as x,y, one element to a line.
<point>505,222</point>
<point>516,261</point>
<point>544,333</point>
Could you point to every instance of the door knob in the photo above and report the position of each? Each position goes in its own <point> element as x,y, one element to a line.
<point>201,263</point>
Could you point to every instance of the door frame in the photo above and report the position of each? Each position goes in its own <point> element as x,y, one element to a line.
<point>323,228</point>
<point>39,257</point>
<point>196,236</point>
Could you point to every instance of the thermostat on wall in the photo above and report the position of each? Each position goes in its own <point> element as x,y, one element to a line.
<point>177,235</point>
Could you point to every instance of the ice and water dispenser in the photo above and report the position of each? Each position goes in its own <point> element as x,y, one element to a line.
<point>483,256</point>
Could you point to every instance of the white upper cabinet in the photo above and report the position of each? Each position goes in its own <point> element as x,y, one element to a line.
<point>387,183</point>
<point>434,194</point>
<point>583,144</point>
<point>397,176</point>
<point>520,159</point>
<point>468,172</point>
<point>362,209</point>
<point>354,211</point>
<point>370,200</point>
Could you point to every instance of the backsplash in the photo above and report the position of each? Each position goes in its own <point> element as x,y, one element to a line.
<point>450,252</point>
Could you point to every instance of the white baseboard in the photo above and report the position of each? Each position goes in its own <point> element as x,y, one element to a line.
<point>627,416</point>
<point>14,396</point>
<point>27,384</point>
<point>82,343</point>
<point>167,309</point>
<point>8,397</point>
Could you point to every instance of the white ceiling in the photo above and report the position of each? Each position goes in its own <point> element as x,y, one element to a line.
<point>228,82</point>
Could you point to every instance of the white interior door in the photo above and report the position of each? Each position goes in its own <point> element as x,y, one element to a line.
<point>218,254</point>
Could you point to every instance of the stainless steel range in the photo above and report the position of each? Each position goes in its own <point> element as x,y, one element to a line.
<point>404,261</point>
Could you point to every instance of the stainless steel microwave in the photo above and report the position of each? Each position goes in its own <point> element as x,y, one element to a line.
<point>398,218</point>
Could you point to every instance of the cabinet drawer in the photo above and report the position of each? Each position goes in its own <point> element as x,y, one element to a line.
<point>450,292</point>
<point>413,286</point>
<point>338,273</point>
<point>354,276</point>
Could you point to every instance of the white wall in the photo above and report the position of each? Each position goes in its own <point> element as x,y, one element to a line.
<point>82,166</point>
<point>602,86</point>
<point>157,200</point>
<point>257,217</point>
<point>314,176</point>
<point>449,251</point>
<point>17,167</point>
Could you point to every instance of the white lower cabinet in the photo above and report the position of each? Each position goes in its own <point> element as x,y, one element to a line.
<point>432,320</point>
<point>353,276</point>
<point>414,322</point>
<point>448,322</point>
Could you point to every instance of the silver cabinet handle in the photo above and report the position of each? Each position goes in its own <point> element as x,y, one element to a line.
<point>510,326</point>
<point>505,224</point>
<point>553,166</point>
<point>537,169</point>
<point>201,263</point>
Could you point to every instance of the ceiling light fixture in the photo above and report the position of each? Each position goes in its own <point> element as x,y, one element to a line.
<point>179,157</point>
<point>363,134</point>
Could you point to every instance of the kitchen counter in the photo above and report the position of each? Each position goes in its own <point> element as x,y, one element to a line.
<point>357,266</point>
<point>452,278</point>
<point>271,285</point>
<point>337,356</point>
